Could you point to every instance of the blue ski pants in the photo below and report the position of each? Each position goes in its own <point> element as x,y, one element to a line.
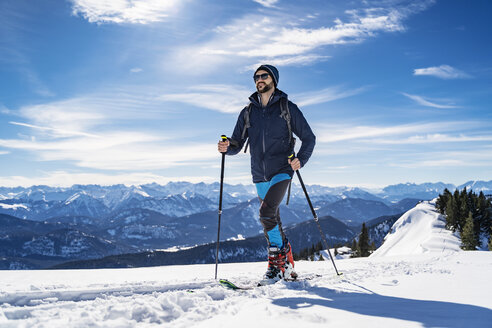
<point>271,194</point>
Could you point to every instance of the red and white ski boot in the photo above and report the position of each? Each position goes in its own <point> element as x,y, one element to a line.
<point>280,265</point>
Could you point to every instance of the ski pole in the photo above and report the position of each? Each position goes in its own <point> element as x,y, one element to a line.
<point>291,157</point>
<point>224,138</point>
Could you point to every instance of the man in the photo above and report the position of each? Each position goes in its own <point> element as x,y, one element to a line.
<point>265,122</point>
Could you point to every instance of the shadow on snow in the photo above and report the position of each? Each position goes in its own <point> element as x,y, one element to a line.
<point>428,313</point>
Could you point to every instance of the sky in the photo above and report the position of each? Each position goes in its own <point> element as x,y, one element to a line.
<point>139,91</point>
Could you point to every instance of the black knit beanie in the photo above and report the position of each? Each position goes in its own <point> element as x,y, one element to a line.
<point>270,69</point>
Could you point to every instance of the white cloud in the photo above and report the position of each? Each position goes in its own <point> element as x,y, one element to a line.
<point>370,134</point>
<point>136,70</point>
<point>433,138</point>
<point>324,95</point>
<point>38,86</point>
<point>86,132</point>
<point>80,115</point>
<point>231,99</point>
<point>218,97</point>
<point>288,41</point>
<point>125,11</point>
<point>4,152</point>
<point>64,118</point>
<point>282,37</point>
<point>460,159</point>
<point>444,72</point>
<point>421,101</point>
<point>300,60</point>
<point>266,3</point>
<point>59,132</point>
<point>5,110</point>
<point>124,151</point>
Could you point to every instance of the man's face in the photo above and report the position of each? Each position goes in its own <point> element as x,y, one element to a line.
<point>264,85</point>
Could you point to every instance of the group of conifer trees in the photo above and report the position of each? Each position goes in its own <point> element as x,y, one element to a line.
<point>308,253</point>
<point>469,214</point>
<point>363,247</point>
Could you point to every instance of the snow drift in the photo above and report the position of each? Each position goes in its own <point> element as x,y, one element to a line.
<point>420,230</point>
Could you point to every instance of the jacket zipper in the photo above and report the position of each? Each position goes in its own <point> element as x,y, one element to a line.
<point>263,133</point>
<point>264,166</point>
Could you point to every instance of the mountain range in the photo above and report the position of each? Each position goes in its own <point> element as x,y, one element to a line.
<point>42,226</point>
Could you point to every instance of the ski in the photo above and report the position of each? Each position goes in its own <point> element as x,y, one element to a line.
<point>230,285</point>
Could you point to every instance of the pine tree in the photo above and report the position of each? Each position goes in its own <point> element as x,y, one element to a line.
<point>483,206</point>
<point>463,209</point>
<point>312,251</point>
<point>321,257</point>
<point>490,239</point>
<point>363,245</point>
<point>442,200</point>
<point>373,247</point>
<point>451,214</point>
<point>354,249</point>
<point>296,257</point>
<point>304,254</point>
<point>336,251</point>
<point>468,239</point>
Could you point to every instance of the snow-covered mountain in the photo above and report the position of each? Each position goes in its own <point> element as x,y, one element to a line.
<point>420,230</point>
<point>419,277</point>
<point>150,217</point>
<point>428,191</point>
<point>174,205</point>
<point>30,244</point>
<point>379,227</point>
<point>184,198</point>
<point>433,289</point>
<point>356,211</point>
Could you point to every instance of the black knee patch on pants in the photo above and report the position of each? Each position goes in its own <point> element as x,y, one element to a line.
<point>269,209</point>
<point>268,223</point>
<point>273,198</point>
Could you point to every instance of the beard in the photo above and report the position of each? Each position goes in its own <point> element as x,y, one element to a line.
<point>266,88</point>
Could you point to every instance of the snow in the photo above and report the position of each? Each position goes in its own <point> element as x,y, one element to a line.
<point>420,230</point>
<point>175,248</point>
<point>448,290</point>
<point>418,278</point>
<point>72,198</point>
<point>13,206</point>
<point>238,237</point>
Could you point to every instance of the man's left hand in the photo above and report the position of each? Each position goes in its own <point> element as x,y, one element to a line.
<point>296,164</point>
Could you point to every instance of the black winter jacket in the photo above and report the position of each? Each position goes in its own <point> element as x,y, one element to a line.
<point>269,137</point>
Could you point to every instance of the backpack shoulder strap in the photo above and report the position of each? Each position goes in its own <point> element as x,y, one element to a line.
<point>246,120</point>
<point>285,114</point>
<point>246,125</point>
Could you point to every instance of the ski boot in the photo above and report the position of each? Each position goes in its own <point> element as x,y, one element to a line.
<point>280,265</point>
<point>289,273</point>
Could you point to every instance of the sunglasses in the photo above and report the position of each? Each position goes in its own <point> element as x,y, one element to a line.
<point>263,76</point>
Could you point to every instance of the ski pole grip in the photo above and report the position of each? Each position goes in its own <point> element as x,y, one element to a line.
<point>223,137</point>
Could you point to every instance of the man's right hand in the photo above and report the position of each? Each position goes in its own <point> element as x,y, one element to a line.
<point>223,145</point>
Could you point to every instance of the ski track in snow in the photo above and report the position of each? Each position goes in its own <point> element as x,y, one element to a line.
<point>414,291</point>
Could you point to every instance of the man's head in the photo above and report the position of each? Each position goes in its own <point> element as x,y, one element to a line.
<point>266,78</point>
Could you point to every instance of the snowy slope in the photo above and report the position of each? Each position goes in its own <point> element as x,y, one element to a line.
<point>450,290</point>
<point>420,230</point>
<point>418,278</point>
